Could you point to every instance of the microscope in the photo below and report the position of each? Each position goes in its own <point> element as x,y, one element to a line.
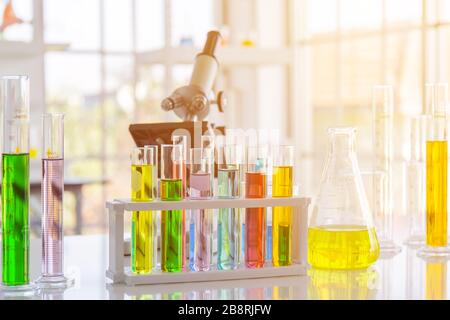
<point>191,103</point>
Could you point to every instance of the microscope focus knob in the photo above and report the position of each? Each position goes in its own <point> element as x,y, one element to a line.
<point>172,102</point>
<point>222,101</point>
<point>199,103</point>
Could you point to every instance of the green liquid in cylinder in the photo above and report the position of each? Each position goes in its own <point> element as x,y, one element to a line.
<point>172,227</point>
<point>15,220</point>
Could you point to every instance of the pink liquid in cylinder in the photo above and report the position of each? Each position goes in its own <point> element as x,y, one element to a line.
<point>52,190</point>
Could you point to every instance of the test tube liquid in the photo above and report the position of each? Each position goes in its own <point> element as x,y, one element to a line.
<point>255,221</point>
<point>282,217</point>
<point>15,219</point>
<point>229,220</point>
<point>142,221</point>
<point>437,158</point>
<point>201,170</point>
<point>172,227</point>
<point>201,223</point>
<point>182,141</point>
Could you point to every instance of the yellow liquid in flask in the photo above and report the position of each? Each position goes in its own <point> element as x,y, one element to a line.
<point>342,247</point>
<point>437,193</point>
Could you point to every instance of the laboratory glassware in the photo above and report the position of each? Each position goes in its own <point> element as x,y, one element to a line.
<point>282,184</point>
<point>341,232</point>
<point>142,233</point>
<point>52,195</point>
<point>155,195</point>
<point>182,140</point>
<point>200,231</point>
<point>172,221</point>
<point>229,161</point>
<point>15,184</point>
<point>436,173</point>
<point>382,205</point>
<point>415,182</point>
<point>255,218</point>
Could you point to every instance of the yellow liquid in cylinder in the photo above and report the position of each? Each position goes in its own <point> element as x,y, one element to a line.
<point>342,247</point>
<point>141,229</point>
<point>282,181</point>
<point>436,281</point>
<point>437,193</point>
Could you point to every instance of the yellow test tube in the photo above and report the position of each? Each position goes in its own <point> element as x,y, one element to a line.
<point>142,221</point>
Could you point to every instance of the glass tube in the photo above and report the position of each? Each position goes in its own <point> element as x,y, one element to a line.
<point>52,195</point>
<point>142,221</point>
<point>15,183</point>
<point>282,184</point>
<point>155,195</point>
<point>200,234</point>
<point>172,221</point>
<point>415,182</point>
<point>228,223</point>
<point>383,115</point>
<point>182,141</point>
<point>436,173</point>
<point>255,218</point>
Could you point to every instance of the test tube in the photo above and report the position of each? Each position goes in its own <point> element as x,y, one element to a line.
<point>436,173</point>
<point>15,184</point>
<point>255,218</point>
<point>172,221</point>
<point>52,195</point>
<point>155,195</point>
<point>228,224</point>
<point>142,162</point>
<point>182,141</point>
<point>282,185</point>
<point>200,235</point>
<point>415,182</point>
<point>383,115</point>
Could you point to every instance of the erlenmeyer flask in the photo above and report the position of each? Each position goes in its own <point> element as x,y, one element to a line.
<point>341,232</point>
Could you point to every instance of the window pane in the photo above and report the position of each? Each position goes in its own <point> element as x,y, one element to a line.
<point>403,11</point>
<point>22,31</point>
<point>72,87</point>
<point>118,32</point>
<point>75,22</point>
<point>321,16</point>
<point>360,14</point>
<point>149,94</point>
<point>150,24</point>
<point>191,20</point>
<point>119,104</point>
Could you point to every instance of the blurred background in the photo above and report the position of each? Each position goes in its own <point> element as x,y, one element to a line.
<point>297,66</point>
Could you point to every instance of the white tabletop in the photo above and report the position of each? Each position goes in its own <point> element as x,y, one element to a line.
<point>404,276</point>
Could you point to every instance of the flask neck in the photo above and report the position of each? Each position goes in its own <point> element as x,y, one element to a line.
<point>342,144</point>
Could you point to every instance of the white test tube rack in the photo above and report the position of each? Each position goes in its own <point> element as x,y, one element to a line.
<point>119,273</point>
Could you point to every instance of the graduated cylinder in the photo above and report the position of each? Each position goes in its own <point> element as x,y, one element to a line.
<point>436,169</point>
<point>15,181</point>
<point>52,192</point>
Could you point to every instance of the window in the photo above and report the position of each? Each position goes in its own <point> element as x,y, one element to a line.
<point>348,46</point>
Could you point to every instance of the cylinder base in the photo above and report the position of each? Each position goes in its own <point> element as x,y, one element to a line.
<point>55,282</point>
<point>27,290</point>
